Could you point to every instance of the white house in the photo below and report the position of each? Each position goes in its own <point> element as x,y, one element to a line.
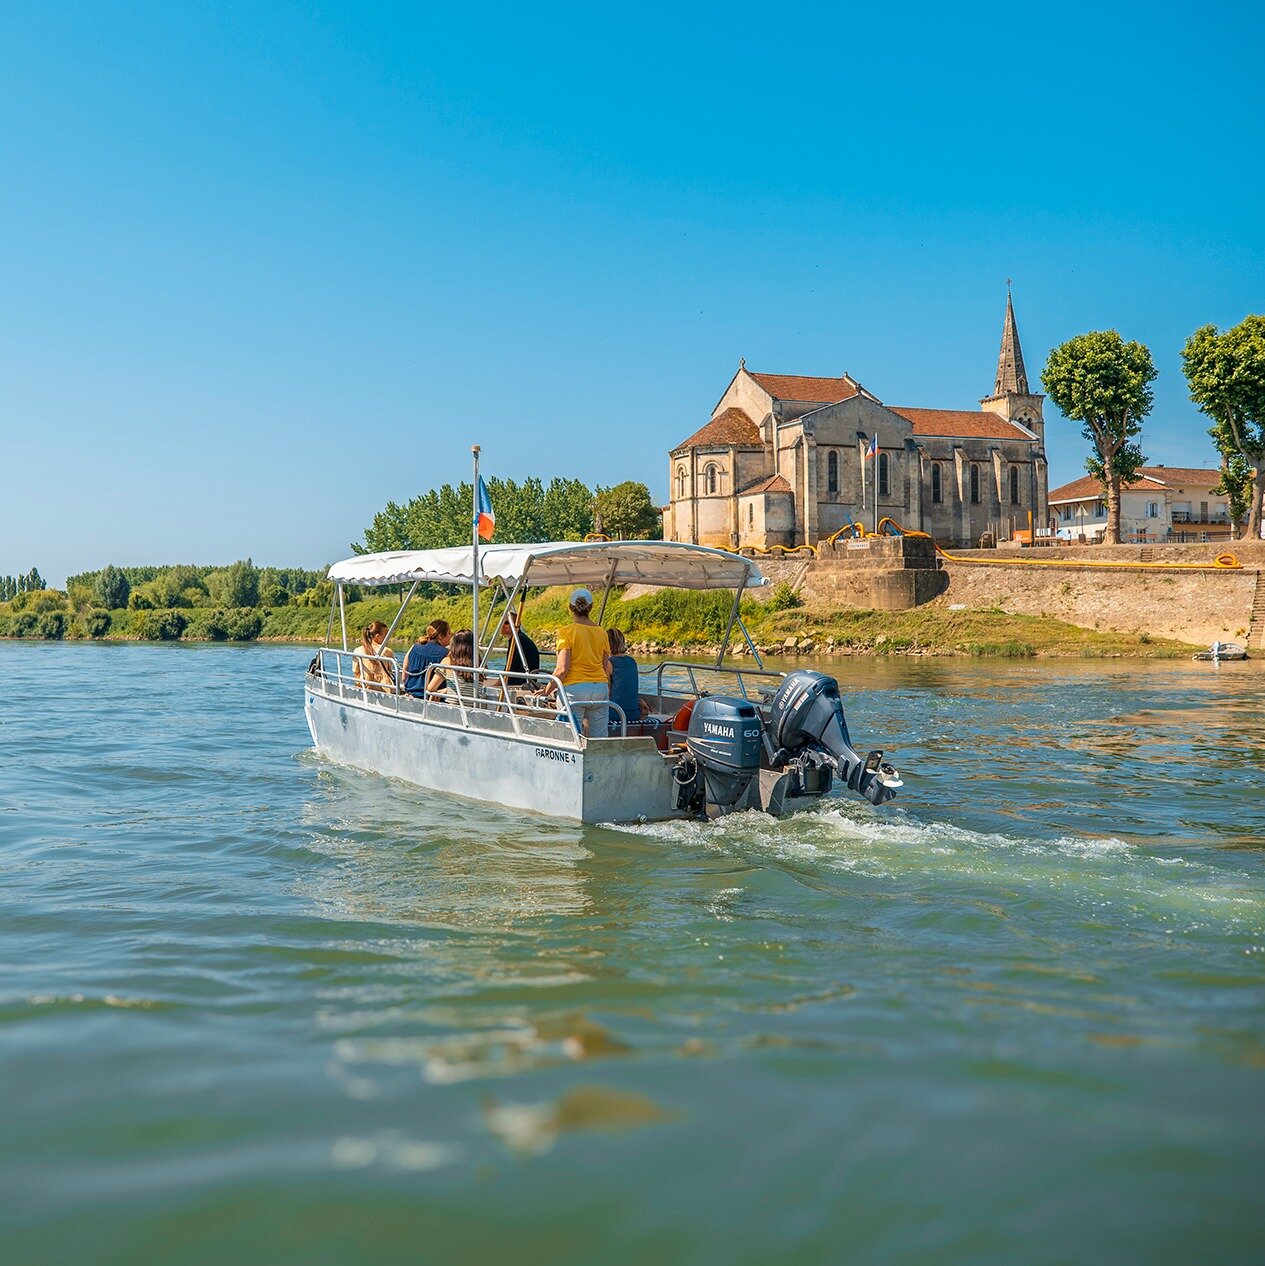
<point>1164,503</point>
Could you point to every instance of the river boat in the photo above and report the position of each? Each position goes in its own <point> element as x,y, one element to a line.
<point>716,738</point>
<point>1222,650</point>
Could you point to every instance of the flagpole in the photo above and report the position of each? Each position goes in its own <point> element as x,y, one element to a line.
<point>875,451</point>
<point>474,571</point>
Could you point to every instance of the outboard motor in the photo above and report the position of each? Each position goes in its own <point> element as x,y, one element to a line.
<point>724,746</point>
<point>809,735</point>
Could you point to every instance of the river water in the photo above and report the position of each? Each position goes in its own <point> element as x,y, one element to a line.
<point>254,1008</point>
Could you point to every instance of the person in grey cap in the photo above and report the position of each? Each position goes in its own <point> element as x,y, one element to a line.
<point>584,662</point>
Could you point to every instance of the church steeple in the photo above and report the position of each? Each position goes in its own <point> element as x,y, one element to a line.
<point>1012,378</point>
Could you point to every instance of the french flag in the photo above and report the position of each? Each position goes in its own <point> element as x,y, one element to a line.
<point>872,451</point>
<point>485,519</point>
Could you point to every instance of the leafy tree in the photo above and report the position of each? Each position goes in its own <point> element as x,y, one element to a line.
<point>97,623</point>
<point>1226,377</point>
<point>273,594</point>
<point>162,626</point>
<point>1102,382</point>
<point>52,626</point>
<point>627,513</point>
<point>527,511</point>
<point>1236,485</point>
<point>240,585</point>
<point>139,600</point>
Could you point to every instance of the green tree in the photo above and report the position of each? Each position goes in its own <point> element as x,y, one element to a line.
<point>1226,377</point>
<point>1104,383</point>
<point>1236,484</point>
<point>239,585</point>
<point>627,513</point>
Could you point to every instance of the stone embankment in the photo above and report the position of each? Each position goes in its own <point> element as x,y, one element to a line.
<point>1193,606</point>
<point>1198,607</point>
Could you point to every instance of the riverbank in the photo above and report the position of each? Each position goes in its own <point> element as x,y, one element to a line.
<point>664,621</point>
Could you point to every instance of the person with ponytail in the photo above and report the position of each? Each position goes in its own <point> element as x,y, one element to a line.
<point>369,661</point>
<point>423,655</point>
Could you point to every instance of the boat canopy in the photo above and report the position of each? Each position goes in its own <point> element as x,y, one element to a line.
<point>670,564</point>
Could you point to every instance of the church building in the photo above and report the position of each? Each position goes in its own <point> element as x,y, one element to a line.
<point>783,461</point>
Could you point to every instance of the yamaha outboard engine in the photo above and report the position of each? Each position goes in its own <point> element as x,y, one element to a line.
<point>809,735</point>
<point>724,745</point>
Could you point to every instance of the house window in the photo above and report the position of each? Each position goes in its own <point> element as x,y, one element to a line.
<point>1152,509</point>
<point>710,476</point>
<point>883,476</point>
<point>832,472</point>
<point>1014,485</point>
<point>937,485</point>
<point>974,485</point>
<point>680,483</point>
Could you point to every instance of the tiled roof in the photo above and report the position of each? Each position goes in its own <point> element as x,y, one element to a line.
<point>1175,476</point>
<point>964,423</point>
<point>1150,479</point>
<point>733,427</point>
<point>770,483</point>
<point>799,387</point>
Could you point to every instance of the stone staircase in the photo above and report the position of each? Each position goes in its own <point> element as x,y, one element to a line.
<point>1256,626</point>
<point>1146,554</point>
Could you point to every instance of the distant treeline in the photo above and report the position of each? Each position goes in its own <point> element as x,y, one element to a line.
<point>562,510</point>
<point>11,586</point>
<point>183,586</point>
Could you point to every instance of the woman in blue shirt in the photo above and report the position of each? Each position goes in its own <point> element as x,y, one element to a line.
<point>423,655</point>
<point>625,680</point>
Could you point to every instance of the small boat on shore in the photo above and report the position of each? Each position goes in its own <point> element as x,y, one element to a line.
<point>1222,650</point>
<point>716,739</point>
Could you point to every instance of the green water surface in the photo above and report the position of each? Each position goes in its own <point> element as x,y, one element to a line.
<point>255,1008</point>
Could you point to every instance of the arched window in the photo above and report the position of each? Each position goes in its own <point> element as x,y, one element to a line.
<point>750,514</point>
<point>937,486</point>
<point>884,477</point>
<point>832,472</point>
<point>680,483</point>
<point>710,474</point>
<point>974,484</point>
<point>1014,485</point>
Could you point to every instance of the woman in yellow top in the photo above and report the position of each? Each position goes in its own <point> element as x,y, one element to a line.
<point>584,661</point>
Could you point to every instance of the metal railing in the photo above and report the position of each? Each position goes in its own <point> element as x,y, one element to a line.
<point>495,688</point>
<point>694,671</point>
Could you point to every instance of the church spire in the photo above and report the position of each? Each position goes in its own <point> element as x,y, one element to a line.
<point>1012,378</point>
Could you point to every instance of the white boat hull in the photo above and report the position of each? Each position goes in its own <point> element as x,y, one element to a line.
<point>614,780</point>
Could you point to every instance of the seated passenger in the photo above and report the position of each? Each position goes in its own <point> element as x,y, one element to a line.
<point>423,655</point>
<point>372,662</point>
<point>584,662</point>
<point>518,666</point>
<point>625,680</point>
<point>446,683</point>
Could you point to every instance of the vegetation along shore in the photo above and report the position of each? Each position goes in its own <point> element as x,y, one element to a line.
<point>241,603</point>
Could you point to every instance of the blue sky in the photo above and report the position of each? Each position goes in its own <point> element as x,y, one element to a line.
<point>264,266</point>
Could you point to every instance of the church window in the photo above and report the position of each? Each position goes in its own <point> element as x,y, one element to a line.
<point>884,477</point>
<point>974,484</point>
<point>937,485</point>
<point>750,514</point>
<point>1014,485</point>
<point>710,474</point>
<point>680,483</point>
<point>832,472</point>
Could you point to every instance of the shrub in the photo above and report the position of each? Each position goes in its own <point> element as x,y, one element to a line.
<point>44,600</point>
<point>51,626</point>
<point>244,626</point>
<point>24,624</point>
<point>113,588</point>
<point>783,598</point>
<point>161,626</point>
<point>97,623</point>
